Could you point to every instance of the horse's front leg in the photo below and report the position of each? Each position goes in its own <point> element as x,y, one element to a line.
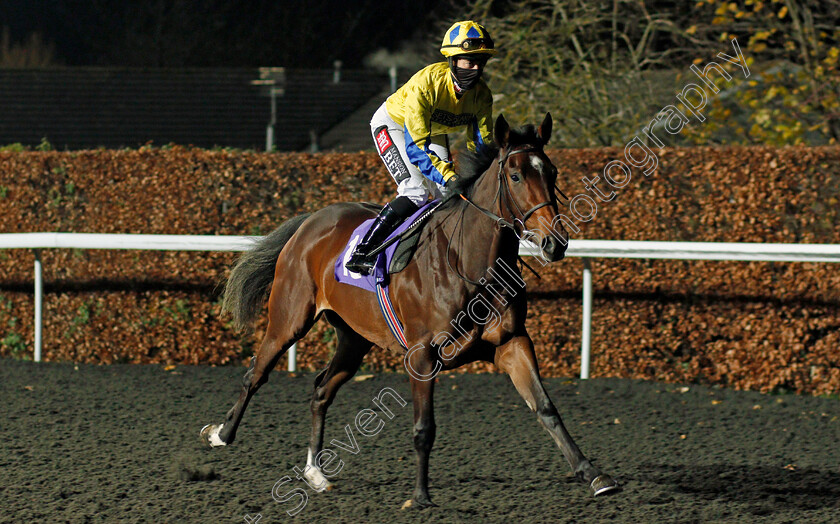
<point>422,393</point>
<point>517,359</point>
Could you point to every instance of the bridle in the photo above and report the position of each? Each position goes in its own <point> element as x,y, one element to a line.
<point>504,192</point>
<point>504,180</point>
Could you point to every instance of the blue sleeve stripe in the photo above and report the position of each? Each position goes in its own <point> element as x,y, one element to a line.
<point>479,143</point>
<point>480,146</point>
<point>421,159</point>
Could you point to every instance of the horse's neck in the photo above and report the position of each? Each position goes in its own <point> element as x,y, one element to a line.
<point>478,241</point>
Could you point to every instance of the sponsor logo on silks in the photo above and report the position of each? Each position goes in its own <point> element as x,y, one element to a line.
<point>395,164</point>
<point>383,141</point>
<point>448,119</point>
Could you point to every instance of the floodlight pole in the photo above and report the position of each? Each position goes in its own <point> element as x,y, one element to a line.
<point>392,74</point>
<point>269,131</point>
<point>272,80</point>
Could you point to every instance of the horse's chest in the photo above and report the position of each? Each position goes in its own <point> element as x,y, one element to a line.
<point>488,316</point>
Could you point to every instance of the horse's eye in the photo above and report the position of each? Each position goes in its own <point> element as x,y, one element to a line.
<point>514,177</point>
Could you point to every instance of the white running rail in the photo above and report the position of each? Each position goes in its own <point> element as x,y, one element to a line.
<point>585,249</point>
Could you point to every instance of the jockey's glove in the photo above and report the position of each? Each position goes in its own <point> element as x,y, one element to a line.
<point>453,185</point>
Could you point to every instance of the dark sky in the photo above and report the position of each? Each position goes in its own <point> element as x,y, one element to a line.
<point>217,33</point>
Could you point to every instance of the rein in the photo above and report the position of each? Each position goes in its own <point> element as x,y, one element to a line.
<point>500,222</point>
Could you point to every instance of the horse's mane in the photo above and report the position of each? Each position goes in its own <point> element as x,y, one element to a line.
<point>472,164</point>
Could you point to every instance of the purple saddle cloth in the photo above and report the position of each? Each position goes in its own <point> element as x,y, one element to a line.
<point>383,261</point>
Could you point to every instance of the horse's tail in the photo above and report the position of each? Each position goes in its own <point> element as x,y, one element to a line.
<point>250,281</point>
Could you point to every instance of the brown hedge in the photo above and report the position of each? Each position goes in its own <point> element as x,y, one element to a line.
<point>761,326</point>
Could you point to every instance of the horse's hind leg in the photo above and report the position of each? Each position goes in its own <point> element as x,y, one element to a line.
<point>518,360</point>
<point>285,327</point>
<point>351,349</point>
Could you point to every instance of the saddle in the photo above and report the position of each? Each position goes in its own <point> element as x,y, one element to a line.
<point>391,260</point>
<point>405,250</point>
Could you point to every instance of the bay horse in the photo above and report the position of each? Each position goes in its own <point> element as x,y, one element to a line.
<point>465,239</point>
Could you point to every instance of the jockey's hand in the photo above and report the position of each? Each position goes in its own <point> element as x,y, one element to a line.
<point>453,185</point>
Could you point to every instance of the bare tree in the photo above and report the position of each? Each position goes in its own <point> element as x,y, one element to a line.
<point>605,67</point>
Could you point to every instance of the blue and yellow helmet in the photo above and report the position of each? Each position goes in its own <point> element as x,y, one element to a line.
<point>465,38</point>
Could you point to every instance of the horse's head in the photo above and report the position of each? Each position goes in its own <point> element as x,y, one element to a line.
<point>527,186</point>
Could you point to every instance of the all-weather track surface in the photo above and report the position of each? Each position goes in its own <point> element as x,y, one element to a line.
<point>120,443</point>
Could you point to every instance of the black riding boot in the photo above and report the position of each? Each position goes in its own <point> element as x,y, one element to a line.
<point>389,218</point>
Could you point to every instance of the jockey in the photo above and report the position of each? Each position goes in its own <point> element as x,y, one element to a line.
<point>410,130</point>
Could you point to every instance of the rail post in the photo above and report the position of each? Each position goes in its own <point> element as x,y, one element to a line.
<point>39,301</point>
<point>587,319</point>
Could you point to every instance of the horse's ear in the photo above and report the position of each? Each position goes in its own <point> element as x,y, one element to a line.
<point>501,132</point>
<point>545,129</point>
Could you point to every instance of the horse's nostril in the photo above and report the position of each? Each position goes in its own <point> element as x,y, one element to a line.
<point>550,246</point>
<point>553,249</point>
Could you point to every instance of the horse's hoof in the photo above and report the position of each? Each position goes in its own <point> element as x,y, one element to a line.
<point>210,435</point>
<point>323,488</point>
<point>415,504</point>
<point>317,480</point>
<point>604,484</point>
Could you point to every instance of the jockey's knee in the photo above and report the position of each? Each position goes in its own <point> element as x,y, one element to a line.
<point>404,206</point>
<point>416,195</point>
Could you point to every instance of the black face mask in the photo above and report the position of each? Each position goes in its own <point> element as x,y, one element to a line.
<point>466,79</point>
